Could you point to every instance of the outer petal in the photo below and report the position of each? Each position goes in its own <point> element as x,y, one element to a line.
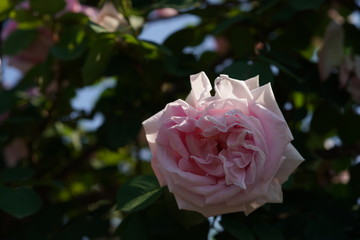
<point>200,89</point>
<point>265,96</point>
<point>292,161</point>
<point>151,126</point>
<point>274,193</point>
<point>226,87</point>
<point>253,82</point>
<point>277,136</point>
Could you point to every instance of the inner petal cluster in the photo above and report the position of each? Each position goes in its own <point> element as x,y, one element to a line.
<point>228,147</point>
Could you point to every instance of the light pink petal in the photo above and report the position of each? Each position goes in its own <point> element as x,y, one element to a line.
<point>168,162</point>
<point>226,87</point>
<point>208,210</point>
<point>264,96</point>
<point>222,194</point>
<point>253,82</point>
<point>151,126</point>
<point>109,18</point>
<point>72,6</point>
<point>274,193</point>
<point>200,89</point>
<point>158,170</point>
<point>291,162</point>
<point>250,194</point>
<point>277,136</point>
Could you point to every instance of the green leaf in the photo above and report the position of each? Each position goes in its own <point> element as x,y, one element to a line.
<point>323,229</point>
<point>306,4</point>
<point>43,6</point>
<point>348,133</point>
<point>189,218</point>
<point>242,42</point>
<point>322,112</point>
<point>125,7</point>
<point>266,231</point>
<point>19,202</point>
<point>176,4</point>
<point>7,101</point>
<point>98,57</point>
<point>138,193</point>
<point>15,174</point>
<point>134,228</point>
<point>72,44</point>
<point>19,40</point>
<point>236,228</point>
<point>190,36</point>
<point>5,8</point>
<point>244,70</point>
<point>25,19</point>
<point>280,66</point>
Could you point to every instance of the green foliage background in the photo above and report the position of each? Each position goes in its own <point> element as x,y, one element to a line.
<point>76,183</point>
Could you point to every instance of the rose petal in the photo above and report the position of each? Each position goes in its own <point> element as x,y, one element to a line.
<point>277,136</point>
<point>253,82</point>
<point>200,89</point>
<point>226,88</point>
<point>265,97</point>
<point>291,162</point>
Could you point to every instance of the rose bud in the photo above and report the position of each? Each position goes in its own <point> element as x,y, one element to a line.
<point>224,153</point>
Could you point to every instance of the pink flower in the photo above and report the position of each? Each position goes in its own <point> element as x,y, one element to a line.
<point>110,19</point>
<point>331,53</point>
<point>162,13</point>
<point>15,151</point>
<point>33,54</point>
<point>38,50</point>
<point>225,153</point>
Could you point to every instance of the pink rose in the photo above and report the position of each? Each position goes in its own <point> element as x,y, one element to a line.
<point>15,151</point>
<point>225,153</point>
<point>110,19</point>
<point>38,50</point>
<point>162,13</point>
<point>331,53</point>
<point>35,53</point>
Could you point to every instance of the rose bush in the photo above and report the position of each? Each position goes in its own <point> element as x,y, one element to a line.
<point>107,17</point>
<point>224,153</point>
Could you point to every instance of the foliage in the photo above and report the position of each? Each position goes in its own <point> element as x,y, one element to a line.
<point>59,180</point>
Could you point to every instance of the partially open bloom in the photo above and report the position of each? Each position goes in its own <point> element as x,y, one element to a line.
<point>331,53</point>
<point>225,153</point>
<point>332,56</point>
<point>37,51</point>
<point>110,19</point>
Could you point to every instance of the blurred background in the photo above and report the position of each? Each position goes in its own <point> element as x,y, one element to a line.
<point>79,77</point>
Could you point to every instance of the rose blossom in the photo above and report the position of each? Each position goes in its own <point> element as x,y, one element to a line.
<point>225,153</point>
<point>331,53</point>
<point>332,56</point>
<point>38,50</point>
